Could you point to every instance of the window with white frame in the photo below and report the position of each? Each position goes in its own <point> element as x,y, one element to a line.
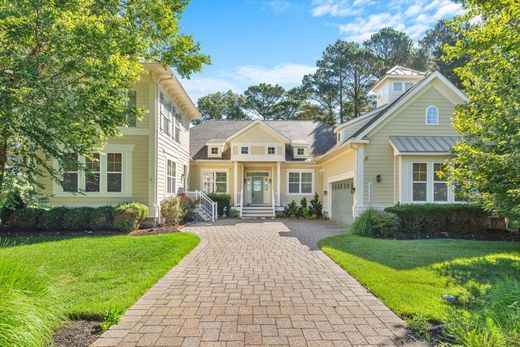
<point>70,173</point>
<point>440,187</point>
<point>397,87</point>
<point>299,152</point>
<point>420,181</point>
<point>214,150</point>
<point>166,117</point>
<point>300,182</point>
<point>131,103</point>
<point>93,173</point>
<point>177,132</point>
<point>114,172</point>
<point>214,182</point>
<point>432,115</point>
<point>171,174</point>
<point>271,150</point>
<point>244,150</point>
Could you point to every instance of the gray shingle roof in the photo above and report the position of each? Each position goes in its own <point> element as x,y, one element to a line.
<point>423,144</point>
<point>319,136</point>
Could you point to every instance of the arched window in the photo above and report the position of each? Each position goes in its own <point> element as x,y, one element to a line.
<point>432,115</point>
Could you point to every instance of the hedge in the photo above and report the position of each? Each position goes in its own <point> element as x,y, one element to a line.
<point>374,223</point>
<point>124,217</point>
<point>416,220</point>
<point>223,203</point>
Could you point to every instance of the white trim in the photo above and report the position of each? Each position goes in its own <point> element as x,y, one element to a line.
<point>219,151</point>
<point>406,98</point>
<point>214,171</point>
<point>359,179</point>
<point>341,177</point>
<point>349,175</point>
<point>235,183</point>
<point>426,115</point>
<point>171,158</point>
<point>244,146</point>
<point>278,180</point>
<point>300,171</point>
<point>258,121</point>
<point>305,151</point>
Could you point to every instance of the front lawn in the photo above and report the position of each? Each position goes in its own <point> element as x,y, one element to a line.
<point>411,276</point>
<point>84,276</point>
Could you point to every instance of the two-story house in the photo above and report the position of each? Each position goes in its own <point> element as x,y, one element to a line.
<point>148,162</point>
<point>388,155</point>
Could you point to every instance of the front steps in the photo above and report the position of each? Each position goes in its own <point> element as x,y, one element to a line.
<point>254,212</point>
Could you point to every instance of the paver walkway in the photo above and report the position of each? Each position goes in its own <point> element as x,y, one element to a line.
<point>257,283</point>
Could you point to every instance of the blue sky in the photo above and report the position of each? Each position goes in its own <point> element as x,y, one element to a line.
<point>279,41</point>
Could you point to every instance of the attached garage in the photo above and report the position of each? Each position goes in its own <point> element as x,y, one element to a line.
<point>341,201</point>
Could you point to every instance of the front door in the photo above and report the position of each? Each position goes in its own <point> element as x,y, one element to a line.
<point>257,193</point>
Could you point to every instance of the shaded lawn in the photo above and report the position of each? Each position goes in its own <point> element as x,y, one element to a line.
<point>411,276</point>
<point>93,274</point>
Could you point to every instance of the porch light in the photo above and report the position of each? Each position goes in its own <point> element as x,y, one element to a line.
<point>352,190</point>
<point>378,178</point>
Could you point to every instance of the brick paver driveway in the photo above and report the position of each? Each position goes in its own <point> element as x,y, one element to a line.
<point>257,283</point>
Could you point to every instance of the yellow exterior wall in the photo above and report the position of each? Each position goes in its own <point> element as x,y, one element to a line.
<point>410,120</point>
<point>256,134</point>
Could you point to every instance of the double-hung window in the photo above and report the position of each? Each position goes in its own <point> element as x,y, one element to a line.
<point>131,103</point>
<point>114,172</point>
<point>171,174</point>
<point>440,187</point>
<point>177,131</point>
<point>93,173</point>
<point>244,150</point>
<point>300,182</point>
<point>70,173</point>
<point>420,182</point>
<point>166,119</point>
<point>214,182</point>
<point>271,150</point>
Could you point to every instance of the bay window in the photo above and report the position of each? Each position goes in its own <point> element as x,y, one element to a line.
<point>214,182</point>
<point>300,182</point>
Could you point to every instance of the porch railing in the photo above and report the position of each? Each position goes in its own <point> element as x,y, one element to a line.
<point>273,201</point>
<point>207,206</point>
<point>241,202</point>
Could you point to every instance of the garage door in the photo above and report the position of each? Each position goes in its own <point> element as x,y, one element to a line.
<point>342,200</point>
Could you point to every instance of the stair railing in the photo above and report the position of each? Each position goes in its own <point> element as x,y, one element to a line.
<point>205,204</point>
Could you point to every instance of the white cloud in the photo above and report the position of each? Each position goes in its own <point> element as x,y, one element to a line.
<point>287,75</point>
<point>368,16</point>
<point>278,6</point>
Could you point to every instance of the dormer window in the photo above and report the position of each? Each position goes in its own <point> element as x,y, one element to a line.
<point>408,85</point>
<point>271,150</point>
<point>432,115</point>
<point>214,150</point>
<point>398,87</point>
<point>300,151</point>
<point>244,150</point>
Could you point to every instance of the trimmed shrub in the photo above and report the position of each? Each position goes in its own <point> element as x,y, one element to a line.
<point>234,213</point>
<point>375,223</point>
<point>52,219</point>
<point>176,209</point>
<point>77,218</point>
<point>316,207</point>
<point>418,220</point>
<point>25,218</point>
<point>101,218</point>
<point>17,203</point>
<point>303,209</point>
<point>128,216</point>
<point>292,209</point>
<point>223,203</point>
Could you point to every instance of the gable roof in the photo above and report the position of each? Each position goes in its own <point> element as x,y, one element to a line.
<point>258,122</point>
<point>319,136</point>
<point>404,71</point>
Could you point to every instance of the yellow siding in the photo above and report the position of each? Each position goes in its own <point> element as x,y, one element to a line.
<point>338,165</point>
<point>142,89</point>
<point>256,134</point>
<point>408,121</point>
<point>258,150</point>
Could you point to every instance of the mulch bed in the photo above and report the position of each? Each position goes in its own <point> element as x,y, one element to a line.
<point>154,231</point>
<point>80,333</point>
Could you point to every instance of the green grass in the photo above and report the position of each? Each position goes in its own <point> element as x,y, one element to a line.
<point>411,276</point>
<point>84,276</point>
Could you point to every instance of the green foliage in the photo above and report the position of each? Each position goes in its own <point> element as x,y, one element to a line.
<point>128,216</point>
<point>176,209</point>
<point>484,164</point>
<point>223,203</point>
<point>25,219</point>
<point>80,219</point>
<point>493,320</point>
<point>418,220</point>
<point>111,317</point>
<point>316,207</point>
<point>65,63</point>
<point>12,202</point>
<point>219,105</point>
<point>30,311</point>
<point>234,213</point>
<point>421,326</point>
<point>374,223</point>
<point>52,219</point>
<point>292,209</point>
<point>101,218</point>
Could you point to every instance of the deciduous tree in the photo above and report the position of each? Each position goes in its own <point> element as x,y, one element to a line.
<point>220,105</point>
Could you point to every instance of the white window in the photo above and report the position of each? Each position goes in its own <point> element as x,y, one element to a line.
<point>171,173</point>
<point>440,187</point>
<point>271,150</point>
<point>420,181</point>
<point>132,102</point>
<point>214,150</point>
<point>177,132</point>
<point>166,119</point>
<point>93,173</point>
<point>114,172</point>
<point>408,85</point>
<point>398,87</point>
<point>300,182</point>
<point>244,150</point>
<point>214,182</point>
<point>70,173</point>
<point>300,152</point>
<point>432,115</point>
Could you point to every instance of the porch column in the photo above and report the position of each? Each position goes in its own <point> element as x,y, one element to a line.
<point>278,180</point>
<point>235,183</point>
